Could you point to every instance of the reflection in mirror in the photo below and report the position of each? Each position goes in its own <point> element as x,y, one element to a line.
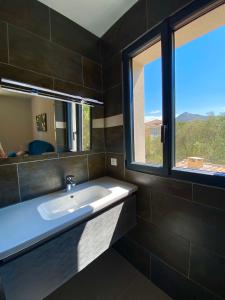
<point>34,125</point>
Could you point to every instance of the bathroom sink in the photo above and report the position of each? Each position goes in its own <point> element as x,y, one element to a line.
<point>70,202</point>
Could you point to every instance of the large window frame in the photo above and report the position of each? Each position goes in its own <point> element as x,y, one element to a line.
<point>164,32</point>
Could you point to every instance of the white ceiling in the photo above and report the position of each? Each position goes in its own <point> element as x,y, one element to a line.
<point>97,16</point>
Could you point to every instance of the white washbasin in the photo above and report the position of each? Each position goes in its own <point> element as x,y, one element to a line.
<point>70,202</point>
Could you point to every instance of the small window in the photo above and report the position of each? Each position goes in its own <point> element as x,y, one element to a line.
<point>86,128</point>
<point>79,135</point>
<point>147,106</point>
<point>200,94</point>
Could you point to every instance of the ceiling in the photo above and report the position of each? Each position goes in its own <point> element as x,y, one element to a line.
<point>97,16</point>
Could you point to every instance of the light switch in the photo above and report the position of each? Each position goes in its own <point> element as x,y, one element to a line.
<point>114,162</point>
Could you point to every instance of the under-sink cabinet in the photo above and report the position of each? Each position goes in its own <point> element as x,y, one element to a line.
<point>38,272</point>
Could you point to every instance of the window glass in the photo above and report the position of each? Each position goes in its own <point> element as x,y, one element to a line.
<point>86,127</point>
<point>147,106</point>
<point>200,94</point>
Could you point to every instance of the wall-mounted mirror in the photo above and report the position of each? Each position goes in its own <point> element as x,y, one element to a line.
<point>34,124</point>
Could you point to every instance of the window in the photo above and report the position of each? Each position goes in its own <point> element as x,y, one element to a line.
<point>79,135</point>
<point>200,94</point>
<point>175,96</point>
<point>147,106</point>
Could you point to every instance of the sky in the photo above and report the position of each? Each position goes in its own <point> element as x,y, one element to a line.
<point>199,78</point>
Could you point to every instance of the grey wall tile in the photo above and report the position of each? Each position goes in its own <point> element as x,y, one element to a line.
<point>144,202</point>
<point>200,224</point>
<point>209,195</point>
<point>18,74</point>
<point>112,72</point>
<point>9,190</point>
<point>92,73</point>
<point>171,248</point>
<point>34,53</point>
<point>208,270</point>
<point>113,101</point>
<point>175,285</point>
<point>98,140</point>
<point>114,139</point>
<point>96,165</point>
<point>39,178</point>
<point>98,112</point>
<point>164,185</point>
<point>77,89</point>
<point>136,255</point>
<point>28,14</point>
<point>3,43</point>
<point>74,37</point>
<point>115,171</point>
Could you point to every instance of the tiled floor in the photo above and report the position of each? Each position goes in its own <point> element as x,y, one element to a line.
<point>110,277</point>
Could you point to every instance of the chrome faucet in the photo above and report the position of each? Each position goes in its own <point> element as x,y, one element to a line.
<point>70,183</point>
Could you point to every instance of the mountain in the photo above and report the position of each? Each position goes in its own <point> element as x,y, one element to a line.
<point>189,117</point>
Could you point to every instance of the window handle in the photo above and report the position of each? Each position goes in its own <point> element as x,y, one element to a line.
<point>163,133</point>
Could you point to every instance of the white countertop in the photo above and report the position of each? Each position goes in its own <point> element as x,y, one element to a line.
<point>21,225</point>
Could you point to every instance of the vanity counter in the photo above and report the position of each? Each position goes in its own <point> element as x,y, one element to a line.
<point>22,226</point>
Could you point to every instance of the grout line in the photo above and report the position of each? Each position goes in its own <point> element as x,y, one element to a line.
<point>7,38</point>
<point>70,156</point>
<point>92,89</point>
<point>116,153</point>
<point>96,153</point>
<point>9,164</point>
<point>53,78</point>
<point>53,42</point>
<point>18,181</point>
<point>37,160</point>
<point>186,278</point>
<point>111,87</point>
<point>206,289</point>
<point>47,159</point>
<point>35,72</point>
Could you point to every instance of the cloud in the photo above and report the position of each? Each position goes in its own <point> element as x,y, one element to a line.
<point>151,118</point>
<point>153,112</point>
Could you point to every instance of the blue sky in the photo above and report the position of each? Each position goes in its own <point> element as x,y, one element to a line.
<point>199,77</point>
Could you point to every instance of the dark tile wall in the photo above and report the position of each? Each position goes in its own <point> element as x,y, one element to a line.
<point>178,241</point>
<point>41,47</point>
<point>25,180</point>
